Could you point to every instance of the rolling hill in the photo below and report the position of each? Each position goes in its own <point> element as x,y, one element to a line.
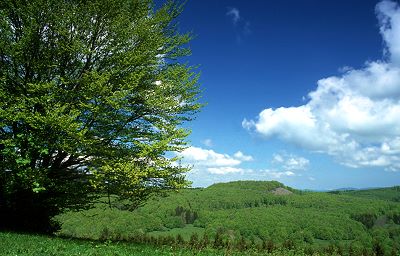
<point>251,212</point>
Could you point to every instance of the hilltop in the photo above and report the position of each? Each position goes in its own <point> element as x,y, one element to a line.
<point>249,185</point>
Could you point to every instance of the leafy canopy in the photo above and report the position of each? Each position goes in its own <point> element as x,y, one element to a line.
<point>92,98</point>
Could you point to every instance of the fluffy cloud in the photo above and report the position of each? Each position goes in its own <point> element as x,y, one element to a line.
<point>239,155</point>
<point>354,117</point>
<point>225,170</point>
<point>274,174</point>
<point>290,162</point>
<point>210,167</point>
<point>213,162</point>
<point>206,157</point>
<point>389,17</point>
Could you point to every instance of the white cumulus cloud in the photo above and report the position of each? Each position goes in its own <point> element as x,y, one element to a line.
<point>389,17</point>
<point>210,167</point>
<point>278,174</point>
<point>290,162</point>
<point>239,155</point>
<point>224,170</point>
<point>354,117</point>
<point>213,162</point>
<point>207,157</point>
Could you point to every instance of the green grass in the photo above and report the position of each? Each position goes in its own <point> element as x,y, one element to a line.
<point>12,244</point>
<point>27,245</point>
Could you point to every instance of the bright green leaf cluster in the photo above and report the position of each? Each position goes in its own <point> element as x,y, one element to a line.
<point>92,98</point>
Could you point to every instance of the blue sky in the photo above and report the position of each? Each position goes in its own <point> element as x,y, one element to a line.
<point>304,92</point>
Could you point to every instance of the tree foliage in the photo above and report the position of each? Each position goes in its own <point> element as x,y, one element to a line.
<point>92,99</point>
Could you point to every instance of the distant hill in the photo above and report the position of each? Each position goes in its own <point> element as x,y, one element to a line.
<point>390,194</point>
<point>262,186</point>
<point>345,189</point>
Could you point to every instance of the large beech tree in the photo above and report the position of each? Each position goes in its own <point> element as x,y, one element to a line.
<point>92,100</point>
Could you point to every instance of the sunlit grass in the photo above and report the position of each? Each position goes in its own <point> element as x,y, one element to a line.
<point>12,244</point>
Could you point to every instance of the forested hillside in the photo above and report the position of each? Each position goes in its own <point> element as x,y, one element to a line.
<point>246,214</point>
<point>389,194</point>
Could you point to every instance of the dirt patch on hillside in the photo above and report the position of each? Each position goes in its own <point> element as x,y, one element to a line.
<point>281,191</point>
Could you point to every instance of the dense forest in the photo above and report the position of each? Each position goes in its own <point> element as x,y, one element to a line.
<point>245,215</point>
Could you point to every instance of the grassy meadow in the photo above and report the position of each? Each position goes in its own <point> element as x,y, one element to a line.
<point>12,244</point>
